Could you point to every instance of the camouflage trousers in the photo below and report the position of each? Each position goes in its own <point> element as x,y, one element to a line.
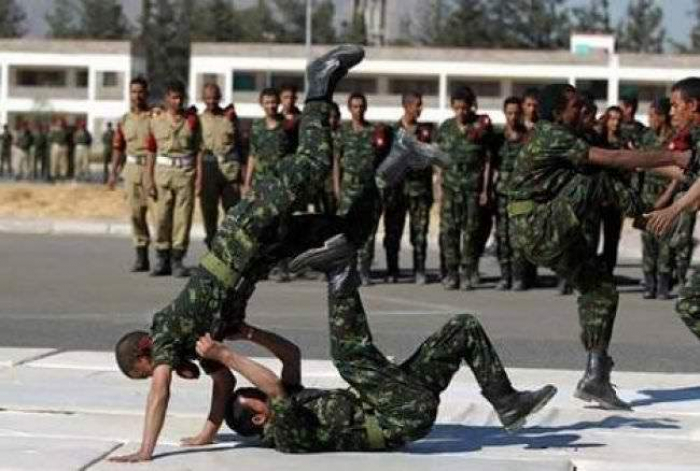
<point>688,305</point>
<point>558,234</point>
<point>460,230</point>
<point>682,243</point>
<point>510,259</point>
<point>405,398</point>
<point>219,186</point>
<point>657,255</point>
<point>418,209</point>
<point>258,219</point>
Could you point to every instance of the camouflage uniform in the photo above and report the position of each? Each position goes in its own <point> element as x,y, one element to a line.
<point>107,139</point>
<point>462,182</point>
<point>387,405</point>
<point>268,146</point>
<point>24,163</point>
<point>221,168</point>
<point>555,210</point>
<point>415,196</point>
<point>359,159</point>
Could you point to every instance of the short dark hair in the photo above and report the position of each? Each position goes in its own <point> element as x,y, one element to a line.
<point>512,100</point>
<point>139,80</point>
<point>410,96</point>
<point>130,348</point>
<point>465,94</point>
<point>357,96</point>
<point>689,88</point>
<point>238,417</point>
<point>531,92</point>
<point>662,105</point>
<point>289,87</point>
<point>553,99</point>
<point>269,91</point>
<point>175,86</point>
<point>630,100</point>
<point>213,85</point>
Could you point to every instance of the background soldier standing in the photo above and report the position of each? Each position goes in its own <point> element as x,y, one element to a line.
<point>131,148</point>
<point>107,139</point>
<point>219,174</point>
<point>41,147</point>
<point>83,141</point>
<point>59,140</point>
<point>288,95</point>
<point>511,142</point>
<point>414,195</point>
<point>24,164</point>
<point>176,144</point>
<point>6,152</point>
<point>466,138</point>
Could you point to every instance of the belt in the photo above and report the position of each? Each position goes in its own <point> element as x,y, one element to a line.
<point>518,208</point>
<point>185,161</point>
<point>375,435</point>
<point>136,159</point>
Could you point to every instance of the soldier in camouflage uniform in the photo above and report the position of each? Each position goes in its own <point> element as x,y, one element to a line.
<point>509,146</point>
<point>414,195</point>
<point>220,163</point>
<point>631,130</point>
<point>465,186</point>
<point>41,154</point>
<point>387,406</point>
<point>556,195</point>
<point>130,149</point>
<point>657,193</point>
<point>252,229</point>
<point>171,175</point>
<point>24,163</point>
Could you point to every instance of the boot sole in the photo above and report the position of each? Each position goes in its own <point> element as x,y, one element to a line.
<point>586,397</point>
<point>538,407</point>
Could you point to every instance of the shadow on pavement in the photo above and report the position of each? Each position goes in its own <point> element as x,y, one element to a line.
<point>655,396</point>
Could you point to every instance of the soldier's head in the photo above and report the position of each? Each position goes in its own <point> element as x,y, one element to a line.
<point>247,412</point>
<point>138,92</point>
<point>531,102</point>
<point>270,101</point>
<point>357,105</point>
<point>612,120</point>
<point>133,353</point>
<point>588,112</point>
<point>109,126</point>
<point>629,102</point>
<point>659,114</point>
<point>212,96</point>
<point>412,103</point>
<point>175,96</point>
<point>463,103</point>
<point>513,110</point>
<point>559,103</point>
<point>685,102</point>
<point>288,97</point>
<point>334,116</point>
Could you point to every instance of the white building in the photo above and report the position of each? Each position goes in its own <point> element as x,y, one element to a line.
<point>86,80</point>
<point>592,64</point>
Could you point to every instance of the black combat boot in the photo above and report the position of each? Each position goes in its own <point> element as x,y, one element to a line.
<point>595,384</point>
<point>419,269</point>
<point>162,263</point>
<point>451,281</point>
<point>141,263</point>
<point>179,270</point>
<point>336,258</point>
<point>392,268</point>
<point>466,277</point>
<point>564,287</point>
<point>663,288</point>
<point>325,72</point>
<point>513,407</point>
<point>506,282</point>
<point>365,273</point>
<point>649,286</point>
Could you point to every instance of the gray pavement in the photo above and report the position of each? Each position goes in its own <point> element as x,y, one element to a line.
<point>74,292</point>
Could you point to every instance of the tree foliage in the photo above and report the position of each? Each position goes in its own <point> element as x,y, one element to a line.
<point>12,19</point>
<point>593,18</point>
<point>94,19</point>
<point>642,28</point>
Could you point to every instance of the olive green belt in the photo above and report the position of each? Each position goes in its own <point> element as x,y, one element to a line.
<point>375,435</point>
<point>518,208</point>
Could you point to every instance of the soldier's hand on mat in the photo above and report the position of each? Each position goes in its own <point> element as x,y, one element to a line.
<point>198,440</point>
<point>208,348</point>
<point>659,222</point>
<point>132,458</point>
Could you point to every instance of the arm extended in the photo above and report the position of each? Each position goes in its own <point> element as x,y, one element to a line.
<point>633,159</point>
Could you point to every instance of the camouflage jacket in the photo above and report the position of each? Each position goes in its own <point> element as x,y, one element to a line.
<point>550,159</point>
<point>313,420</point>
<point>417,182</point>
<point>654,184</point>
<point>632,132</point>
<point>358,161</point>
<point>468,150</point>
<point>268,145</point>
<point>507,155</point>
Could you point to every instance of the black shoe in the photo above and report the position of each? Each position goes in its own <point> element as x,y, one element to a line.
<point>141,263</point>
<point>514,409</point>
<point>420,278</point>
<point>162,263</point>
<point>365,275</point>
<point>564,287</point>
<point>467,281</point>
<point>325,72</point>
<point>336,251</point>
<point>179,270</point>
<point>451,282</point>
<point>649,286</point>
<point>595,385</point>
<point>343,279</point>
<point>663,289</point>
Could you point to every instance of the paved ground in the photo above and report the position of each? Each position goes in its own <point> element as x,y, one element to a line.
<point>74,292</point>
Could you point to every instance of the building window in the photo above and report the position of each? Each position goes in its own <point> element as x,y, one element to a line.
<point>425,86</point>
<point>41,78</point>
<point>481,88</point>
<point>110,79</point>
<point>278,79</point>
<point>244,81</point>
<point>81,79</point>
<point>598,89</point>
<point>368,86</point>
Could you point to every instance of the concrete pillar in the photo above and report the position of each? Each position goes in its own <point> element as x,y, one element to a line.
<point>614,80</point>
<point>443,92</point>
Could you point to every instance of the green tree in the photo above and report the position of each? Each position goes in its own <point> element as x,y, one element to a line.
<point>293,21</point>
<point>452,23</point>
<point>642,29</point>
<point>260,24</point>
<point>593,18</point>
<point>12,19</point>
<point>217,21</point>
<point>62,19</point>
<point>94,19</point>
<point>355,31</point>
<point>542,24</point>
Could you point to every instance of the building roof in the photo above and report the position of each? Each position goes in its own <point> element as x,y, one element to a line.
<point>65,46</point>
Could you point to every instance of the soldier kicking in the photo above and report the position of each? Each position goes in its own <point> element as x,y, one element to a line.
<point>387,405</point>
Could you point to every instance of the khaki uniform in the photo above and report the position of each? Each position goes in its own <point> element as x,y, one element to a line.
<point>82,140</point>
<point>221,168</point>
<point>23,158</point>
<point>177,140</point>
<point>132,139</point>
<point>58,137</point>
